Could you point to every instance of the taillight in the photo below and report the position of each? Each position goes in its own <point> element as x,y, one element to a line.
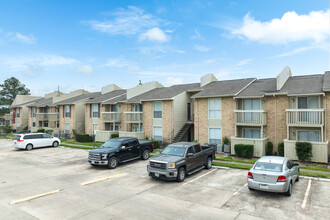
<point>250,176</point>
<point>281,179</point>
<point>19,140</point>
<point>152,145</point>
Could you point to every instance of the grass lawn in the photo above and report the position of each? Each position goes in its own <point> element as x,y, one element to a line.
<point>236,160</point>
<point>315,168</point>
<point>319,175</point>
<point>96,144</point>
<point>231,165</point>
<point>79,147</point>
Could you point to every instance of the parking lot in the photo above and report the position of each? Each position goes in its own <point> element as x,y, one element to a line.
<point>58,183</point>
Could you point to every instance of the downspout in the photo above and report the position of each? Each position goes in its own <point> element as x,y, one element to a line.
<point>275,122</point>
<point>197,117</point>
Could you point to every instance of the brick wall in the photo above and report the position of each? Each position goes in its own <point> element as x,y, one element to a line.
<point>201,120</point>
<point>228,105</point>
<point>167,120</point>
<point>147,119</point>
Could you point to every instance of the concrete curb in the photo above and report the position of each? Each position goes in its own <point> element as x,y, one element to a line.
<point>303,177</point>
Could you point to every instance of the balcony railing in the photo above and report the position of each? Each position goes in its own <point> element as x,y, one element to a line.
<point>305,117</point>
<point>250,117</point>
<point>51,116</point>
<point>259,145</point>
<point>133,117</point>
<point>111,116</point>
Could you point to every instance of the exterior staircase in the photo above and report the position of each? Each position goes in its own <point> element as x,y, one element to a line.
<point>183,131</point>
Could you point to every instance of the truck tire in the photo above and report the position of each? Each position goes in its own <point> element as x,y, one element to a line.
<point>208,164</point>
<point>113,162</point>
<point>145,154</point>
<point>181,174</point>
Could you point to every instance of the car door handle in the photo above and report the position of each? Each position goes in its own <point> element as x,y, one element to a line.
<point>129,149</point>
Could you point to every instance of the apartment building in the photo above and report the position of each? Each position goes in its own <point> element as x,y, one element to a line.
<point>46,113</point>
<point>103,114</point>
<point>18,117</point>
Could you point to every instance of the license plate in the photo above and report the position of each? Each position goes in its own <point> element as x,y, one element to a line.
<point>156,174</point>
<point>264,186</point>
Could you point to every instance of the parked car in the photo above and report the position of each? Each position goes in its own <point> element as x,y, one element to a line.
<point>35,140</point>
<point>120,150</point>
<point>273,174</point>
<point>181,159</point>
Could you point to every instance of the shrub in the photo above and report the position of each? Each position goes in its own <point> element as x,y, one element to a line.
<point>269,149</point>
<point>114,135</point>
<point>225,140</point>
<point>83,138</point>
<point>304,151</point>
<point>280,149</point>
<point>155,142</point>
<point>242,150</point>
<point>49,131</point>
<point>41,130</point>
<point>6,128</point>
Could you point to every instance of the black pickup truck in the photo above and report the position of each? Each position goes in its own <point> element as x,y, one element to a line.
<point>120,150</point>
<point>180,159</point>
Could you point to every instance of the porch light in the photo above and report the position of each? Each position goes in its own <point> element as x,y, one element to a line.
<point>293,134</point>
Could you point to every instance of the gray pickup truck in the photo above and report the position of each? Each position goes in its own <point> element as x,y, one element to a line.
<point>180,159</point>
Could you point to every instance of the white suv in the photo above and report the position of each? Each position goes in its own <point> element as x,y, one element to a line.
<point>35,140</point>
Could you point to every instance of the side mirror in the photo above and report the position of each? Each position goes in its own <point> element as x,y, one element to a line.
<point>123,147</point>
<point>190,154</point>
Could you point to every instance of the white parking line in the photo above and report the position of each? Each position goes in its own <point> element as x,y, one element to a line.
<point>199,177</point>
<point>306,194</point>
<point>34,197</point>
<point>102,179</point>
<point>235,193</point>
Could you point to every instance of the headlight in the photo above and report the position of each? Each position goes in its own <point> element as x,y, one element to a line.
<point>104,156</point>
<point>171,165</point>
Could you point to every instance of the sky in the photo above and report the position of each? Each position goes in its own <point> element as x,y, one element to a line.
<point>74,44</point>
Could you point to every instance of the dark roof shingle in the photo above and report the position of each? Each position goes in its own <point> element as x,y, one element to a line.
<point>106,96</point>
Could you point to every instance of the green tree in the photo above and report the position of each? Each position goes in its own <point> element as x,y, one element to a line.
<point>9,89</point>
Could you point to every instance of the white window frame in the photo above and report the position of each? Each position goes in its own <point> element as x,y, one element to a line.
<point>217,110</point>
<point>34,112</point>
<point>158,109</point>
<point>153,134</point>
<point>318,101</point>
<point>297,135</point>
<point>97,110</point>
<point>209,136</point>
<point>253,129</point>
<point>67,110</point>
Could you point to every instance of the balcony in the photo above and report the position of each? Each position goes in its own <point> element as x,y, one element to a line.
<point>250,117</point>
<point>138,135</point>
<point>103,136</point>
<point>133,117</point>
<point>305,117</point>
<point>111,116</point>
<point>52,116</point>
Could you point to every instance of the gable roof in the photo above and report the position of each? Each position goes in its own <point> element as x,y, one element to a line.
<point>106,96</point>
<point>43,102</point>
<point>307,84</point>
<point>72,100</point>
<point>164,93</point>
<point>25,103</point>
<point>258,88</point>
<point>223,88</point>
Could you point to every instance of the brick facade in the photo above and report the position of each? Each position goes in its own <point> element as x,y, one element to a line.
<point>201,120</point>
<point>228,105</point>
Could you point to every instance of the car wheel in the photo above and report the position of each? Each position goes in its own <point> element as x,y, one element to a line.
<point>145,154</point>
<point>29,147</point>
<point>250,189</point>
<point>181,174</point>
<point>113,162</point>
<point>289,192</point>
<point>208,163</point>
<point>297,180</point>
<point>55,144</point>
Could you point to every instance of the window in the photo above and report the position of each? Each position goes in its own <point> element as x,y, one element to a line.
<point>215,136</point>
<point>33,124</point>
<point>114,128</point>
<point>45,123</point>
<point>95,108</point>
<point>67,111</point>
<point>308,102</point>
<point>46,110</point>
<point>197,148</point>
<point>251,104</point>
<point>137,128</point>
<point>251,133</point>
<point>57,124</point>
<point>67,128</point>
<point>137,108</point>
<point>33,112</point>
<point>214,108</point>
<point>17,112</point>
<point>158,109</point>
<point>312,136</point>
<point>114,108</point>
<point>190,150</point>
<point>46,136</point>
<point>158,133</point>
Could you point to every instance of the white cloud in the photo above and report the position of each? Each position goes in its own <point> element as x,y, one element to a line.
<point>28,39</point>
<point>116,62</point>
<point>180,51</point>
<point>196,35</point>
<point>154,34</point>
<point>201,48</point>
<point>290,27</point>
<point>244,62</point>
<point>173,81</point>
<point>128,21</point>
<point>86,69</point>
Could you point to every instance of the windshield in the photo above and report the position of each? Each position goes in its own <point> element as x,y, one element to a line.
<point>111,144</point>
<point>174,151</point>
<point>17,137</point>
<point>266,166</point>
